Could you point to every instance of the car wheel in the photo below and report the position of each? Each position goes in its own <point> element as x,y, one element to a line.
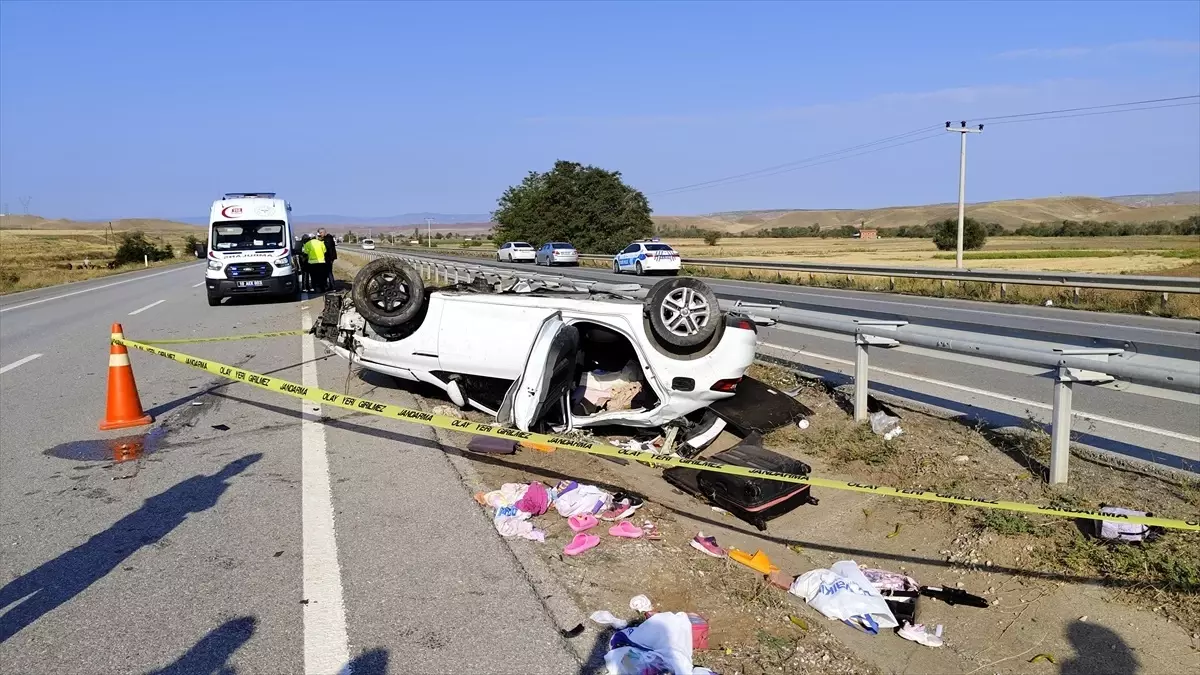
<point>683,312</point>
<point>616,268</point>
<point>637,269</point>
<point>388,292</point>
<point>214,300</point>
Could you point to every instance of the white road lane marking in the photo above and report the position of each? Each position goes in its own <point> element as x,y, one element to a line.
<point>139,310</point>
<point>93,288</point>
<point>198,285</point>
<point>326,648</point>
<point>1005,397</point>
<point>18,364</point>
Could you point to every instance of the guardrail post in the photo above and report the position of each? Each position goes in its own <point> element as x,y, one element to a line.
<point>860,378</point>
<point>1060,430</point>
<point>862,342</point>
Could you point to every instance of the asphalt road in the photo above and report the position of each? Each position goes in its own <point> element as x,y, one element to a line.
<point>257,534</point>
<point>1130,421</point>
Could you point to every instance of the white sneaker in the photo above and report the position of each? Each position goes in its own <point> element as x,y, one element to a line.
<point>917,634</point>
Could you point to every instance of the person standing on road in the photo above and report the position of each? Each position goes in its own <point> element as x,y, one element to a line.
<point>330,253</point>
<point>315,250</point>
<point>302,258</point>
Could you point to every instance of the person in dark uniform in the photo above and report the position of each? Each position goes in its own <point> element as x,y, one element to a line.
<point>302,257</point>
<point>330,254</point>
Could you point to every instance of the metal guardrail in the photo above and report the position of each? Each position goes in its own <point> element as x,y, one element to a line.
<point>1069,365</point>
<point>1118,282</point>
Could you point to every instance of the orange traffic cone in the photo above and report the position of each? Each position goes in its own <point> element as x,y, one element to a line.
<point>124,404</point>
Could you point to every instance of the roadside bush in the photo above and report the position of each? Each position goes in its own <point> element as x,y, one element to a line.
<point>945,234</point>
<point>135,247</point>
<point>711,237</point>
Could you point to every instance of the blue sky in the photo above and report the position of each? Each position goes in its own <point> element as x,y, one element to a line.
<point>372,109</point>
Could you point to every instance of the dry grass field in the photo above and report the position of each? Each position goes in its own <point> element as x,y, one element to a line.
<point>37,258</point>
<point>1140,255</point>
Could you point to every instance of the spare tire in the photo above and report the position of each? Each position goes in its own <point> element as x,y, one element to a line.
<point>388,292</point>
<point>683,312</point>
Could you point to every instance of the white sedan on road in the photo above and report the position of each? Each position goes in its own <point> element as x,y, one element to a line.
<point>543,358</point>
<point>647,256</point>
<point>515,251</point>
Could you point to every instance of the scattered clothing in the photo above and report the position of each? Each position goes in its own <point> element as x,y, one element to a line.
<point>518,526</point>
<point>707,545</point>
<point>844,593</point>
<point>917,633</point>
<point>884,580</point>
<point>579,499</point>
<point>610,391</point>
<point>661,645</point>
<point>535,501</point>
<point>1114,530</point>
<point>508,495</point>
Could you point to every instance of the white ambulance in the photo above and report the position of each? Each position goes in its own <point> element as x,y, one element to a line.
<point>250,250</point>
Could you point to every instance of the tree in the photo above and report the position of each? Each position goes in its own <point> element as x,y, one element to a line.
<point>945,234</point>
<point>711,237</point>
<point>136,248</point>
<point>437,235</point>
<point>588,206</point>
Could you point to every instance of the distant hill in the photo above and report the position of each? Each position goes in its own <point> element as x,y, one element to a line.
<point>1167,199</point>
<point>8,222</point>
<point>1010,213</point>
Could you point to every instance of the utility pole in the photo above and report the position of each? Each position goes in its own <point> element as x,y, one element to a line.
<point>962,183</point>
<point>428,239</point>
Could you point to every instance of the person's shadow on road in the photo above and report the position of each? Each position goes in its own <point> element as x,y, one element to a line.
<point>36,593</point>
<point>1098,651</point>
<point>210,656</point>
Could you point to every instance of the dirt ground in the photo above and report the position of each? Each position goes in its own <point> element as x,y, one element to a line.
<point>37,258</point>
<point>1090,608</point>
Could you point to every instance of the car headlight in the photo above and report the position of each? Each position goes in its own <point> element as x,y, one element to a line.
<point>285,261</point>
<point>214,265</point>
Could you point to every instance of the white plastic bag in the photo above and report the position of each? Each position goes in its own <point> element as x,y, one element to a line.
<point>845,594</point>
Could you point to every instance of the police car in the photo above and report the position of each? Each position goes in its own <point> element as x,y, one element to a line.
<point>647,256</point>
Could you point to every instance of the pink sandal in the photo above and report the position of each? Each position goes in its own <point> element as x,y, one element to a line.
<point>625,529</point>
<point>582,522</point>
<point>581,543</point>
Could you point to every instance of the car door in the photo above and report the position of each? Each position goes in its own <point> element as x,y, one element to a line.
<point>627,257</point>
<point>548,376</point>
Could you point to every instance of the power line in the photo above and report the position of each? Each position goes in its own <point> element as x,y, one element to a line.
<point>1090,107</point>
<point>881,144</point>
<point>1102,112</point>
<point>792,163</point>
<point>809,166</point>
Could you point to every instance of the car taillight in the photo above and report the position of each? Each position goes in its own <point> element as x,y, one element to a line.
<point>733,320</point>
<point>726,385</point>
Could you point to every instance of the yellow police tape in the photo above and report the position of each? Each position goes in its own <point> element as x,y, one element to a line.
<point>251,336</point>
<point>604,449</point>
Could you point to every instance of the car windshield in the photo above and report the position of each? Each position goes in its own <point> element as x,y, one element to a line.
<point>561,245</point>
<point>658,247</point>
<point>247,235</point>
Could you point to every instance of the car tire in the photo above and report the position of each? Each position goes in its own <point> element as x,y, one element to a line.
<point>683,312</point>
<point>616,267</point>
<point>388,292</point>
<point>214,300</point>
<point>637,269</point>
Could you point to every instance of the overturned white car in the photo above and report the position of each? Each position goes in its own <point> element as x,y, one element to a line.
<point>540,358</point>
